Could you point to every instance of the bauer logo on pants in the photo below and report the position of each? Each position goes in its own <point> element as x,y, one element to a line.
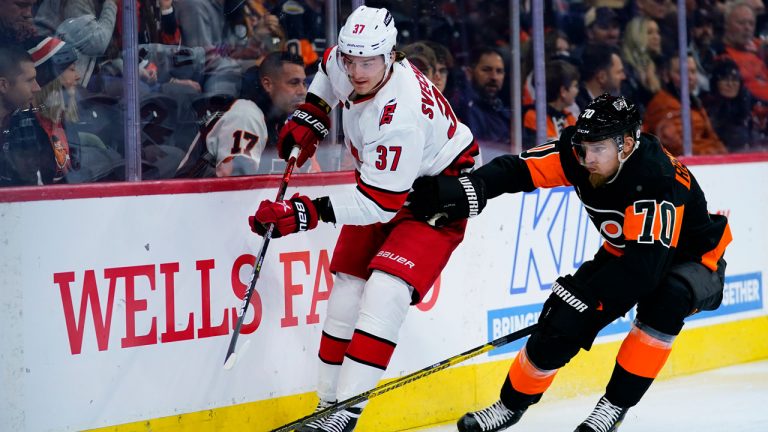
<point>397,258</point>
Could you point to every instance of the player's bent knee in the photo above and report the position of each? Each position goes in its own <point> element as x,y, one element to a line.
<point>667,309</point>
<point>344,305</point>
<point>548,350</point>
<point>384,306</point>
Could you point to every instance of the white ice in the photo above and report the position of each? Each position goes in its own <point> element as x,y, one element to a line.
<point>731,399</point>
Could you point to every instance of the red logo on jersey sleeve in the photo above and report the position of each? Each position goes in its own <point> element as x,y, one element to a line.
<point>388,113</point>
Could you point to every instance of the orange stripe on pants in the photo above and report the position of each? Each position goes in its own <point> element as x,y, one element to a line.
<point>642,354</point>
<point>526,378</point>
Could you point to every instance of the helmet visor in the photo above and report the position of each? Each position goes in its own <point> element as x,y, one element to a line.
<point>364,65</point>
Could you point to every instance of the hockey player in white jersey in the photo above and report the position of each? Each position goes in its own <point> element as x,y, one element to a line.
<point>397,127</point>
<point>234,133</point>
<point>229,143</point>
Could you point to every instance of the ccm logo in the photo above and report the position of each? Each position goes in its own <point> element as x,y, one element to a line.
<point>397,258</point>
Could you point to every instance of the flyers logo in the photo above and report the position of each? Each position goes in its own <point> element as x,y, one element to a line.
<point>388,113</point>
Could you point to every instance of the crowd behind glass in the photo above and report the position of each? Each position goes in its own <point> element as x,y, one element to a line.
<point>250,61</point>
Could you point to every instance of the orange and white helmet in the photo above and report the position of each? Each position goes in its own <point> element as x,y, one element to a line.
<point>368,32</point>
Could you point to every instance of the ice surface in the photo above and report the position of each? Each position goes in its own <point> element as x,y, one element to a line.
<point>732,399</point>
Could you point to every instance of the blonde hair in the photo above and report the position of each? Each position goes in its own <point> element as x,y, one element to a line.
<point>634,49</point>
<point>52,105</point>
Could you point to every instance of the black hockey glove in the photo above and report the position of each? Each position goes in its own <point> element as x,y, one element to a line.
<point>442,199</point>
<point>569,311</point>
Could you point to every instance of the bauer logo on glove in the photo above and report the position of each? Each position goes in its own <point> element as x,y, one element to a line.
<point>290,216</point>
<point>308,125</point>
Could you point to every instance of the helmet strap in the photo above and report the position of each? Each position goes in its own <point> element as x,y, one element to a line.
<point>620,146</point>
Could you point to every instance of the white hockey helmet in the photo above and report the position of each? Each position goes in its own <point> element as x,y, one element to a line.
<point>368,32</point>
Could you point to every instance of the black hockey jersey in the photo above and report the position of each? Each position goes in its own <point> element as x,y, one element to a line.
<point>652,215</point>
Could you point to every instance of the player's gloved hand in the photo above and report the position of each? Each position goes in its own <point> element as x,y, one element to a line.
<point>570,310</point>
<point>290,216</point>
<point>308,125</point>
<point>443,199</point>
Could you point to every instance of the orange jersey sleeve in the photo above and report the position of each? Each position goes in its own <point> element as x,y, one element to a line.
<point>544,165</point>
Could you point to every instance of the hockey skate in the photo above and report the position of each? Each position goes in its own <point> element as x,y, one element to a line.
<point>606,417</point>
<point>496,417</point>
<point>314,425</point>
<point>341,421</point>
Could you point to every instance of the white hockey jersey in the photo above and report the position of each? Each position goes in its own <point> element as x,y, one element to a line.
<point>405,130</point>
<point>230,143</point>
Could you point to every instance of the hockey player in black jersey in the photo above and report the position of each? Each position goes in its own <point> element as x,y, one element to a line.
<point>662,252</point>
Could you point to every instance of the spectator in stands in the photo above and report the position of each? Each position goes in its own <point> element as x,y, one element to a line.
<point>664,12</point>
<point>741,46</point>
<point>88,25</point>
<point>37,147</point>
<point>16,23</point>
<point>556,46</point>
<point>702,36</point>
<point>304,24</point>
<point>602,71</point>
<point>728,105</point>
<point>17,92</point>
<point>478,104</point>
<point>602,26</point>
<point>264,34</point>
<point>283,79</point>
<point>562,88</point>
<point>217,26</point>
<point>57,115</point>
<point>662,116</point>
<point>642,44</point>
<point>423,57</point>
<point>235,133</point>
<point>443,66</point>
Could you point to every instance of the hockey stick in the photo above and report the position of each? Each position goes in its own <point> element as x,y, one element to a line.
<point>231,359</point>
<point>399,382</point>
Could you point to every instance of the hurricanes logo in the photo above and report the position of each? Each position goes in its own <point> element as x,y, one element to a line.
<point>388,113</point>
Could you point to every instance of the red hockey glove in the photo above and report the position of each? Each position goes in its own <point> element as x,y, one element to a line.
<point>291,216</point>
<point>308,125</point>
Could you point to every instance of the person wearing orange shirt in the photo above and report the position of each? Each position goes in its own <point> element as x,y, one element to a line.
<point>562,88</point>
<point>663,119</point>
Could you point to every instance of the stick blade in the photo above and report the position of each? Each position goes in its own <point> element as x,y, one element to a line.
<point>230,362</point>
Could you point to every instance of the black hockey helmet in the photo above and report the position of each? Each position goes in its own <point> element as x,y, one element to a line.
<point>607,117</point>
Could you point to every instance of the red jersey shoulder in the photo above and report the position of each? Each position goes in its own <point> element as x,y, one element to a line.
<point>387,113</point>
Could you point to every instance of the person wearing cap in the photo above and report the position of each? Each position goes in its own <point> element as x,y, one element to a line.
<point>701,46</point>
<point>57,114</point>
<point>38,145</point>
<point>397,127</point>
<point>602,26</point>
<point>729,106</point>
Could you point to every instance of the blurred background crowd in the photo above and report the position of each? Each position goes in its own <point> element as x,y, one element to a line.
<point>217,78</point>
